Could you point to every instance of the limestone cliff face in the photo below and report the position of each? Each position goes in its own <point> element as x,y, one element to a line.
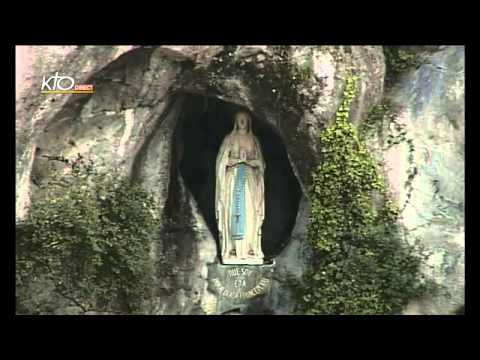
<point>431,102</point>
<point>142,118</point>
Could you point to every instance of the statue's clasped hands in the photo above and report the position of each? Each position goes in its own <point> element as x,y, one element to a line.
<point>242,159</point>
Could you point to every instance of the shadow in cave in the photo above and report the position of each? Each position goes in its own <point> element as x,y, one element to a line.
<point>202,126</point>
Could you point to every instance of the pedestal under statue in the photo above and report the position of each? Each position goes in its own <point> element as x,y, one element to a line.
<point>239,194</point>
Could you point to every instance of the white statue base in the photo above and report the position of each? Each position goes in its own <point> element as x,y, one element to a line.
<point>233,261</point>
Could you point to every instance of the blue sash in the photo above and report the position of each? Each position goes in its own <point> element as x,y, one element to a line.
<point>238,204</point>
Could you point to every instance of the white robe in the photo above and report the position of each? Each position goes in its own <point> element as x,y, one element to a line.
<point>254,205</point>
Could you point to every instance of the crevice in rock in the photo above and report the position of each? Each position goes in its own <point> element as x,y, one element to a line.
<point>139,161</point>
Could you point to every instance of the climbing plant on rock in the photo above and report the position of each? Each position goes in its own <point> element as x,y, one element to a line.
<point>359,265</point>
<point>88,238</point>
<point>383,120</point>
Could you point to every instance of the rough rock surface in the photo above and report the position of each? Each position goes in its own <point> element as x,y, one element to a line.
<point>35,110</point>
<point>431,102</point>
<point>130,122</point>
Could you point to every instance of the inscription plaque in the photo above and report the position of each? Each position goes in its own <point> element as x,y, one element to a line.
<point>235,285</point>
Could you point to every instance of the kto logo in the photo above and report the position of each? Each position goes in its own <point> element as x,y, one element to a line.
<point>64,85</point>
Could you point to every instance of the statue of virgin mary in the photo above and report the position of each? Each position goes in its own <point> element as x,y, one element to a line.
<point>239,194</point>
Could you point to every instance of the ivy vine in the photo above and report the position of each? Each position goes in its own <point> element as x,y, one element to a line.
<point>396,134</point>
<point>360,265</point>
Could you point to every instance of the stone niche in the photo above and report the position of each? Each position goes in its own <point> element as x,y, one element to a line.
<point>201,127</point>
